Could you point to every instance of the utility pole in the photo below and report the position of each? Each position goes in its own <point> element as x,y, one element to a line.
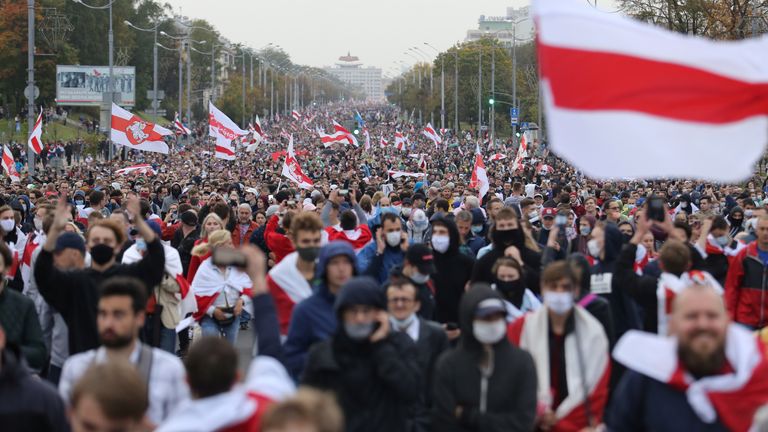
<point>30,81</point>
<point>456,90</point>
<point>189,76</point>
<point>493,94</point>
<point>181,76</point>
<point>244,126</point>
<point>479,91</point>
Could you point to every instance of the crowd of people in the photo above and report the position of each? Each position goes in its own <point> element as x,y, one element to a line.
<point>392,295</point>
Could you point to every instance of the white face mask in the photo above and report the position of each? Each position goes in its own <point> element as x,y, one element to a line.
<point>419,278</point>
<point>38,224</point>
<point>558,302</point>
<point>406,211</point>
<point>393,238</point>
<point>404,323</point>
<point>489,332</point>
<point>7,225</point>
<point>441,243</point>
<point>593,248</point>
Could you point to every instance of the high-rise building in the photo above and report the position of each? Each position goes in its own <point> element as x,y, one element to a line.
<point>503,28</point>
<point>350,70</point>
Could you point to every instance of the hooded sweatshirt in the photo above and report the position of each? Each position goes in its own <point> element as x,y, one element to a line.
<point>458,380</point>
<point>313,319</point>
<point>454,269</point>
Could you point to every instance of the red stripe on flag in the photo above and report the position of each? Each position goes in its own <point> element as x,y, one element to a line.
<point>592,80</point>
<point>121,124</point>
<point>226,151</point>
<point>36,145</point>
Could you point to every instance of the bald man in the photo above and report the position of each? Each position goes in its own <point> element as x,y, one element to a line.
<point>710,375</point>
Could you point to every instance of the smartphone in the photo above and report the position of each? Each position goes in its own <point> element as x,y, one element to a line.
<point>229,257</point>
<point>656,208</point>
<point>343,191</point>
<point>561,219</point>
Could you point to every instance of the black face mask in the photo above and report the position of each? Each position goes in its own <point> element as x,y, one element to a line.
<point>308,253</point>
<point>101,254</point>
<point>508,288</point>
<point>505,238</point>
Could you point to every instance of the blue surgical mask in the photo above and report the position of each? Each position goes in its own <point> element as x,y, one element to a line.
<point>586,230</point>
<point>477,229</point>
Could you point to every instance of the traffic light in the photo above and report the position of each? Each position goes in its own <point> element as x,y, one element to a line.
<point>355,131</point>
<point>491,101</point>
<point>517,134</point>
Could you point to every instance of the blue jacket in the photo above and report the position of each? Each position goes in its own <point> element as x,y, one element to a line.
<point>641,403</point>
<point>378,266</point>
<point>313,319</point>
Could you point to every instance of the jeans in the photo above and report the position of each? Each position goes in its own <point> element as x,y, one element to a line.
<point>168,340</point>
<point>210,327</point>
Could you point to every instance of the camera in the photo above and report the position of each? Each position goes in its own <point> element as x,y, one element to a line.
<point>229,257</point>
<point>656,209</point>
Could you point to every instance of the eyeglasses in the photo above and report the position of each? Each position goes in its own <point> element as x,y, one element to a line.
<point>403,300</point>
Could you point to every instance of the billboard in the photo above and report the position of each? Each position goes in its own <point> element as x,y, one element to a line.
<point>83,85</point>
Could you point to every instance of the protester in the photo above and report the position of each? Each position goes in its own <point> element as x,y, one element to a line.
<point>472,383</point>
<point>452,270</point>
<point>698,379</point>
<point>74,294</point>
<point>307,411</point>
<point>378,258</point>
<point>745,284</point>
<point>372,371</point>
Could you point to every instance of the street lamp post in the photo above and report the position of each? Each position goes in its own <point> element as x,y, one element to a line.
<point>110,85</point>
<point>479,90</point>
<point>456,89</point>
<point>493,94</point>
<point>30,81</point>
<point>154,63</point>
<point>442,86</point>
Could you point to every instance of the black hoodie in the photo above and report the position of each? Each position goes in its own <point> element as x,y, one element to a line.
<point>511,387</point>
<point>596,305</point>
<point>454,269</point>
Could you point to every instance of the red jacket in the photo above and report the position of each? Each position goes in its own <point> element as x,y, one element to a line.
<point>361,236</point>
<point>745,288</point>
<point>169,230</point>
<point>236,234</point>
<point>279,244</point>
<point>195,262</point>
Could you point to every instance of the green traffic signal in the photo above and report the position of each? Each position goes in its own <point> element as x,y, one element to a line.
<point>517,134</point>
<point>490,101</point>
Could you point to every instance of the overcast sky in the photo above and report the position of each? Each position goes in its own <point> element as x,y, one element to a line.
<point>317,32</point>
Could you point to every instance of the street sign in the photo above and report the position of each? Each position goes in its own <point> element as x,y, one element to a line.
<point>524,126</point>
<point>160,94</point>
<point>514,113</point>
<point>37,92</point>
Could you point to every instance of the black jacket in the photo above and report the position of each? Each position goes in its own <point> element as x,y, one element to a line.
<point>595,305</point>
<point>641,288</point>
<point>184,245</point>
<point>376,384</point>
<point>425,293</point>
<point>22,326</point>
<point>531,260</point>
<point>26,402</point>
<point>75,294</point>
<point>432,342</point>
<point>454,270</point>
<point>511,387</point>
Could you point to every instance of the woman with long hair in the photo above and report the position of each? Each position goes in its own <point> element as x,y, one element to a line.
<point>211,223</point>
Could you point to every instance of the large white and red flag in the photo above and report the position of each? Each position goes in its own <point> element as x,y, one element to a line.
<point>292,169</point>
<point>9,165</point>
<point>35,138</point>
<point>350,137</point>
<point>145,169</point>
<point>422,163</point>
<point>256,128</point>
<point>522,152</point>
<point>399,141</point>
<point>221,125</point>
<point>367,136</point>
<point>382,142</point>
<point>628,99</point>
<point>479,179</point>
<point>225,149</point>
<point>430,133</point>
<point>329,139</point>
<point>135,133</point>
<point>498,156</point>
<point>296,115</point>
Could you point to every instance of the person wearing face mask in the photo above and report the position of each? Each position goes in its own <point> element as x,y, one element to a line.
<point>406,208</point>
<point>453,270</point>
<point>419,266</point>
<point>507,232</point>
<point>371,369</point>
<point>173,198</point>
<point>429,337</point>
<point>74,293</point>
<point>471,389</point>
<point>289,281</point>
<point>417,227</point>
<point>509,280</point>
<point>571,354</point>
<point>378,258</point>
<point>718,248</point>
<point>736,220</point>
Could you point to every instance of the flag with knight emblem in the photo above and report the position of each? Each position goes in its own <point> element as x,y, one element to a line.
<point>135,133</point>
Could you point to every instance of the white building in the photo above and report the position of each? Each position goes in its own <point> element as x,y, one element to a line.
<point>350,70</point>
<point>503,28</point>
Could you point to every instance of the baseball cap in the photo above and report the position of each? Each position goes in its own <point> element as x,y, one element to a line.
<point>421,256</point>
<point>489,307</point>
<point>538,195</point>
<point>70,240</point>
<point>548,212</point>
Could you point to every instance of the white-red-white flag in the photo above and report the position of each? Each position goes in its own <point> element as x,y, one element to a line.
<point>145,169</point>
<point>544,169</point>
<point>498,157</point>
<point>608,80</point>
<point>430,133</point>
<point>225,149</point>
<point>256,128</point>
<point>35,137</point>
<point>522,153</point>
<point>9,165</point>
<point>179,126</point>
<point>422,163</point>
<point>347,134</point>
<point>221,125</point>
<point>329,139</point>
<point>135,133</point>
<point>479,176</point>
<point>292,169</point>
<point>296,115</point>
<point>399,141</point>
